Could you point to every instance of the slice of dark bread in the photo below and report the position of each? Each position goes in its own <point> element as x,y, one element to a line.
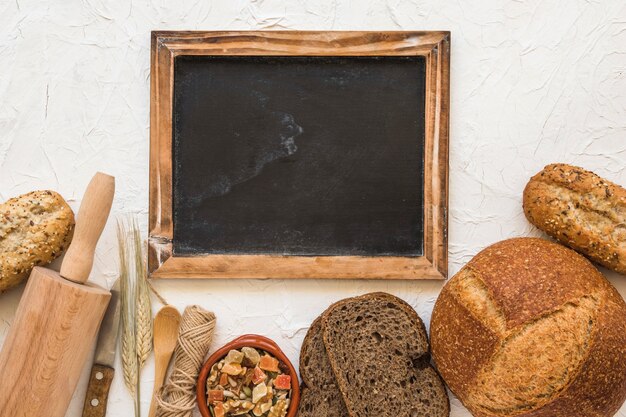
<point>320,394</point>
<point>314,366</point>
<point>321,403</point>
<point>378,349</point>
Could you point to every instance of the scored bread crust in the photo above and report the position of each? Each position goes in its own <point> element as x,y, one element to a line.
<point>529,280</point>
<point>459,362</point>
<point>581,210</point>
<point>423,358</point>
<point>35,228</point>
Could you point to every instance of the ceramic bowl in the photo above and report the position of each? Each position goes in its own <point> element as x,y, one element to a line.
<point>255,341</point>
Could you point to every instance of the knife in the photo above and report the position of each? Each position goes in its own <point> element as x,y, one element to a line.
<point>102,370</point>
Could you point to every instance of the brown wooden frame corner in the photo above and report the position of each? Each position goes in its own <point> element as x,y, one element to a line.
<point>434,46</point>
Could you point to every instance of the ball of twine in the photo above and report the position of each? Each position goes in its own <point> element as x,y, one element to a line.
<point>177,398</point>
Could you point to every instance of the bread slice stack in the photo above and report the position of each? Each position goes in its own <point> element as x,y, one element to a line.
<point>369,356</point>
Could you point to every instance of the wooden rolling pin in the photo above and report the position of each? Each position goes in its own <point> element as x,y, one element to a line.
<point>57,320</point>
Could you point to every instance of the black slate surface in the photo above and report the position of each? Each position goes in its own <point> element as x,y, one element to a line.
<point>298,155</point>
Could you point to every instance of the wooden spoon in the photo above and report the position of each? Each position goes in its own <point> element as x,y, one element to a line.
<point>166,324</point>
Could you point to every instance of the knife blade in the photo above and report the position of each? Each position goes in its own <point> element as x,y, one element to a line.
<point>102,371</point>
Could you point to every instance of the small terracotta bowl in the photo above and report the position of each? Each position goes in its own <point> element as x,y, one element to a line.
<point>255,341</point>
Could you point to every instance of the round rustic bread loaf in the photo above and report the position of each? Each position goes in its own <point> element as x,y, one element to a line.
<point>531,328</point>
<point>35,229</point>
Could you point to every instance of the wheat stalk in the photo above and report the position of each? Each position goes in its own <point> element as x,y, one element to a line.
<point>136,341</point>
<point>143,321</point>
<point>128,341</point>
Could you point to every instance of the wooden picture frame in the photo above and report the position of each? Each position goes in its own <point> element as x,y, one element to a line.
<point>433,46</point>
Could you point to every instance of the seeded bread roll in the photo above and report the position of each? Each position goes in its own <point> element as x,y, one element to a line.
<point>530,328</point>
<point>35,228</point>
<point>580,210</point>
<point>378,350</point>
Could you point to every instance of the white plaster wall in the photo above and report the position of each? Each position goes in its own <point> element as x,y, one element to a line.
<point>533,82</point>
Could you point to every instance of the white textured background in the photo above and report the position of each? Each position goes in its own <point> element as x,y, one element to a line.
<point>533,82</point>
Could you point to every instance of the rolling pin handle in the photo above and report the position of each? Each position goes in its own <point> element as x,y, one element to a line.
<point>92,216</point>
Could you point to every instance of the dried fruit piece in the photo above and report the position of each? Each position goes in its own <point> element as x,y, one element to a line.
<point>259,376</point>
<point>234,356</point>
<point>218,409</point>
<point>282,382</point>
<point>252,354</point>
<point>215,395</point>
<point>232,369</point>
<point>259,392</point>
<point>248,377</point>
<point>223,379</point>
<point>268,363</point>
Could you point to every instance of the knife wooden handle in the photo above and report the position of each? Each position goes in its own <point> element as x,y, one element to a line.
<point>98,391</point>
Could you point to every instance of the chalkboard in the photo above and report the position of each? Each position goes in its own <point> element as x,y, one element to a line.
<point>299,155</point>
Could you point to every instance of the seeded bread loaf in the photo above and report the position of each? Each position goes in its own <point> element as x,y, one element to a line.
<point>580,210</point>
<point>320,396</point>
<point>530,328</point>
<point>378,350</point>
<point>35,228</point>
